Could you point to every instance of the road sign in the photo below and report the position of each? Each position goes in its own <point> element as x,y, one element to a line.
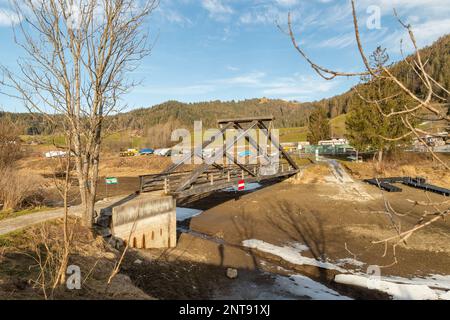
<point>111,181</point>
<point>241,185</point>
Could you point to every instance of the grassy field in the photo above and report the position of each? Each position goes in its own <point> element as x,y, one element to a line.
<point>14,214</point>
<point>338,126</point>
<point>124,140</point>
<point>293,134</point>
<point>301,133</point>
<point>46,140</point>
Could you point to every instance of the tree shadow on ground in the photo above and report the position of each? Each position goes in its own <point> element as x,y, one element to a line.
<point>302,227</point>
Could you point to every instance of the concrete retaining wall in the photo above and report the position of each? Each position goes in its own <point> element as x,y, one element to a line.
<point>147,222</point>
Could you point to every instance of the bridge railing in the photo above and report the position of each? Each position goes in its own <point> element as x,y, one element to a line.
<point>212,179</point>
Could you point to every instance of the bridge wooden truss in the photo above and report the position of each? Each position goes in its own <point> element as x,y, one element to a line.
<point>206,178</point>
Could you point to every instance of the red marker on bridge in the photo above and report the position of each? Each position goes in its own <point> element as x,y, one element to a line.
<point>241,185</point>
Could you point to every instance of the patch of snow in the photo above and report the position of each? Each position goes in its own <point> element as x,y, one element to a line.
<point>248,187</point>
<point>305,287</point>
<point>350,261</point>
<point>434,281</point>
<point>398,291</point>
<point>291,254</point>
<point>185,213</point>
<point>445,296</point>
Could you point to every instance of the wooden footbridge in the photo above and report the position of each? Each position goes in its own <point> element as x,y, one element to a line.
<point>206,178</point>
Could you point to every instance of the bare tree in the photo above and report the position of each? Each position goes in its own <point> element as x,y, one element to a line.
<point>63,189</point>
<point>10,148</point>
<point>78,56</point>
<point>429,105</point>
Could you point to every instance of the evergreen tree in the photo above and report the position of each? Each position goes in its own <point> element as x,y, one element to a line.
<point>366,125</point>
<point>318,126</point>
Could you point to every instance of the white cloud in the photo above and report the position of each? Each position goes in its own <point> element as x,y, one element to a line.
<point>217,10</point>
<point>250,79</point>
<point>424,5</point>
<point>175,17</point>
<point>188,90</point>
<point>298,85</point>
<point>8,18</point>
<point>287,3</point>
<point>341,41</point>
<point>265,15</point>
<point>232,68</point>
<point>295,87</point>
<point>425,33</point>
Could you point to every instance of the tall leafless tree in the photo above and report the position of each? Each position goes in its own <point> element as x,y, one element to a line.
<point>79,54</point>
<point>429,104</point>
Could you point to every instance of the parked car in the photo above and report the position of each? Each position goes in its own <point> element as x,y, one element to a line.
<point>244,154</point>
<point>163,152</point>
<point>146,152</point>
<point>129,153</point>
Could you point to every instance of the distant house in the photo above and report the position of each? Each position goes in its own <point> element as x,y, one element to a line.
<point>334,142</point>
<point>55,154</point>
<point>437,140</point>
<point>302,145</point>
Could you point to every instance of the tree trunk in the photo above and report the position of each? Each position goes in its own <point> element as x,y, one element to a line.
<point>89,212</point>
<point>380,157</point>
<point>380,160</point>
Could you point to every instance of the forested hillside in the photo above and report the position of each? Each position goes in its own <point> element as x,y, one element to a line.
<point>287,114</point>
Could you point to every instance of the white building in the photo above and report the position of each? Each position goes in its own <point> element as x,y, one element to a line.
<point>334,142</point>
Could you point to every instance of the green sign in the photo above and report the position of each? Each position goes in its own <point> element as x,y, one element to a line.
<point>111,181</point>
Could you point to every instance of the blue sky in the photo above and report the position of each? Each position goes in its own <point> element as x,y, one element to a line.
<point>232,49</point>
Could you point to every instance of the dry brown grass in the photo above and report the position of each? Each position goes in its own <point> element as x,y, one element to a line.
<point>113,165</point>
<point>30,260</point>
<point>415,166</point>
<point>19,190</point>
<point>316,173</point>
<point>10,148</point>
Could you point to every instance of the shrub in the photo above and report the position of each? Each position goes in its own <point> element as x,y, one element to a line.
<point>19,190</point>
<point>10,148</point>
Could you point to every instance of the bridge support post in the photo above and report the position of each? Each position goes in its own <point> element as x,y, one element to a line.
<point>166,186</point>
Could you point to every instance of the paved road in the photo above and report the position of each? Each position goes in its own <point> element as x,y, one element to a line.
<point>22,222</point>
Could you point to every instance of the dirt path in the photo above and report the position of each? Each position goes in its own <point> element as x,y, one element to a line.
<point>286,235</point>
<point>22,222</point>
<point>330,220</point>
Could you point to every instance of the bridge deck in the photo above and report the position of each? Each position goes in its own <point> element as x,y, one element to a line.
<point>211,176</point>
<point>211,180</point>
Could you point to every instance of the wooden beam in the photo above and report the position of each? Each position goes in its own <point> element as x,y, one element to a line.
<point>245,120</point>
<point>240,165</point>
<point>194,152</point>
<point>199,171</point>
<point>206,188</point>
<point>278,146</point>
<point>253,143</point>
